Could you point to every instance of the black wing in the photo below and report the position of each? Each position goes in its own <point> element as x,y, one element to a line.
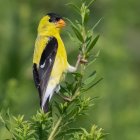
<point>42,73</point>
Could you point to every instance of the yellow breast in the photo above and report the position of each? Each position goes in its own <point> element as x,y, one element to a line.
<point>60,64</point>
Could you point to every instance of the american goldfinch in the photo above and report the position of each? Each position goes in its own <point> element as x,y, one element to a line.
<point>50,58</point>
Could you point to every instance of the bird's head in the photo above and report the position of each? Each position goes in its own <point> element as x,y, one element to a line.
<point>51,24</point>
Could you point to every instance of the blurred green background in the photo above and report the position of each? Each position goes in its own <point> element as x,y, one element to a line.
<point>118,108</point>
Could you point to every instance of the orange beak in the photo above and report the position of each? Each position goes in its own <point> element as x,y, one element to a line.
<point>61,23</point>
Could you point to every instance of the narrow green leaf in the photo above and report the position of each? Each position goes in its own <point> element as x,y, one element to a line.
<point>92,43</point>
<point>78,24</point>
<point>91,62</point>
<point>70,110</point>
<point>90,3</point>
<point>76,8</point>
<point>63,89</point>
<point>8,113</point>
<point>76,31</point>
<point>1,119</point>
<point>92,85</point>
<point>86,18</point>
<point>92,74</point>
<point>93,59</point>
<point>4,123</point>
<point>88,39</point>
<point>90,79</point>
<point>96,24</point>
<point>97,54</point>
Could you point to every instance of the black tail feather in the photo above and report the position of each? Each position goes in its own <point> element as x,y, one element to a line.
<point>46,106</point>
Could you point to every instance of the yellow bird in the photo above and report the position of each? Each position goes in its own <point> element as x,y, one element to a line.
<point>50,58</point>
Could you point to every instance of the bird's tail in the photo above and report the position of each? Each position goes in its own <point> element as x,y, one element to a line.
<point>45,108</point>
<point>47,96</point>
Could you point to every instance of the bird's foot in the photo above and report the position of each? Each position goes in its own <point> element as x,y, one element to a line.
<point>81,60</point>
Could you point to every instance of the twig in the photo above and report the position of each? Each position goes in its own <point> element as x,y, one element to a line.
<point>52,134</point>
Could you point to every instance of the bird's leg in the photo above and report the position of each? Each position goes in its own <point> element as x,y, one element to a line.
<point>72,68</point>
<point>80,60</point>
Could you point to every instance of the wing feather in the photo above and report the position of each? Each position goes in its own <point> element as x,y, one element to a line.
<point>42,73</point>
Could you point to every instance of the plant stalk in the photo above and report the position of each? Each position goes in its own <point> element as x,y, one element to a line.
<point>53,133</point>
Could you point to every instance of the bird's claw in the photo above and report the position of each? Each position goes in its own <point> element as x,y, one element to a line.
<point>82,60</point>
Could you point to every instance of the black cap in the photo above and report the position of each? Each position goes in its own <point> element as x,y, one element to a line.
<point>54,17</point>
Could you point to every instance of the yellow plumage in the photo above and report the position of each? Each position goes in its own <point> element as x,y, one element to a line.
<point>49,26</point>
<point>60,64</point>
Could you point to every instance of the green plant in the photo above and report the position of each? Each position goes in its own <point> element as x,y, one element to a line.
<point>55,125</point>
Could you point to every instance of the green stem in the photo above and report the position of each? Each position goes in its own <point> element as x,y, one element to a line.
<point>53,133</point>
<point>75,95</point>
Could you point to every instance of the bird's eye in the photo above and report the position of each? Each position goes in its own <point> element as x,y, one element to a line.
<point>50,20</point>
<point>54,19</point>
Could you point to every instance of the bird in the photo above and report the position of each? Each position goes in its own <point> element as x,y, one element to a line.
<point>49,58</point>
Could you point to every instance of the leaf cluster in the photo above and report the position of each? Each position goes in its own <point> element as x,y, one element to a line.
<point>37,128</point>
<point>84,35</point>
<point>40,126</point>
<point>94,134</point>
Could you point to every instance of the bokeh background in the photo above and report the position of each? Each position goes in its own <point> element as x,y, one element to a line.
<point>117,109</point>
